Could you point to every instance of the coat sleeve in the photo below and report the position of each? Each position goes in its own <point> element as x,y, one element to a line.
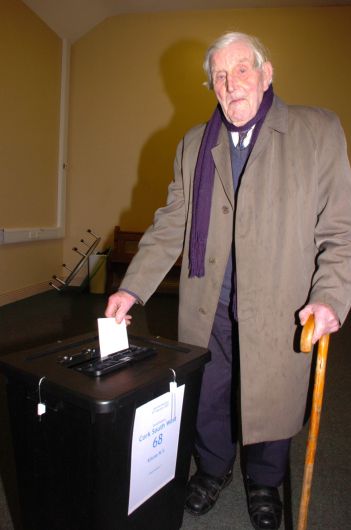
<point>331,282</point>
<point>162,243</point>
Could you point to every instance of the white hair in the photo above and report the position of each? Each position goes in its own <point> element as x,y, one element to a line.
<point>259,51</point>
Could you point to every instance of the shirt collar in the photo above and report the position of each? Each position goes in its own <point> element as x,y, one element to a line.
<point>235,137</point>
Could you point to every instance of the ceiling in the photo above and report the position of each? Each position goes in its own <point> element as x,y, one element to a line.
<point>70,19</point>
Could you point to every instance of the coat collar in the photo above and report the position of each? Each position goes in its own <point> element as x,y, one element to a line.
<point>277,116</point>
<point>276,120</point>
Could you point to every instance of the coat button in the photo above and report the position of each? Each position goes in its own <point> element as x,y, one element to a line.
<point>212,260</point>
<point>202,311</point>
<point>225,209</point>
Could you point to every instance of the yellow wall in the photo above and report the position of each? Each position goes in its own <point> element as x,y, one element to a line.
<point>136,87</point>
<point>30,58</point>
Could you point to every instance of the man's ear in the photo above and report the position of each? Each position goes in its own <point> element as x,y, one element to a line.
<point>267,70</point>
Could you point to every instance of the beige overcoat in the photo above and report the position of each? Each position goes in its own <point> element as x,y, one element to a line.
<point>292,244</point>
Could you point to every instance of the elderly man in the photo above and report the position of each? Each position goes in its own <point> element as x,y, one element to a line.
<point>260,206</point>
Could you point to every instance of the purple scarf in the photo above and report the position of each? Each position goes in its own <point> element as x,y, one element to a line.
<point>204,178</point>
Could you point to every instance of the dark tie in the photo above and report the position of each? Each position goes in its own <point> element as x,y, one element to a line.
<point>242,136</point>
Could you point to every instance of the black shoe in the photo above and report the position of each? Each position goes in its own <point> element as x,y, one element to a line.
<point>203,491</point>
<point>265,506</point>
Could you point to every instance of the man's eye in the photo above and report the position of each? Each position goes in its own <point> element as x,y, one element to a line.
<point>220,78</point>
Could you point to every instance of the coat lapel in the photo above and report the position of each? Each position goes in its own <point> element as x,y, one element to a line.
<point>221,157</point>
<point>276,120</point>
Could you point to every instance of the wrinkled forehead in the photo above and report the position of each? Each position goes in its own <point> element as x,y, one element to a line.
<point>231,55</point>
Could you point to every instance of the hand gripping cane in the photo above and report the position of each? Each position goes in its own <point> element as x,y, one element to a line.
<point>306,347</point>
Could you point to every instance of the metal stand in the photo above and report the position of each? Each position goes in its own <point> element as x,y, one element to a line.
<point>61,283</point>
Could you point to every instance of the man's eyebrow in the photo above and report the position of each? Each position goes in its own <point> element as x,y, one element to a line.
<point>240,61</point>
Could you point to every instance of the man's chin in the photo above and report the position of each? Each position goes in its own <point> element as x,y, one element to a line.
<point>237,118</point>
<point>238,121</point>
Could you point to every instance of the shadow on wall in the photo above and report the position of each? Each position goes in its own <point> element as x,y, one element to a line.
<point>183,78</point>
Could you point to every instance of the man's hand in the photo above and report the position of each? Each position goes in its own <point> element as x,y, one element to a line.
<point>118,306</point>
<point>325,319</point>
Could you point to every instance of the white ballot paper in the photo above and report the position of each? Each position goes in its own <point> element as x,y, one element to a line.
<point>112,336</point>
<point>155,445</point>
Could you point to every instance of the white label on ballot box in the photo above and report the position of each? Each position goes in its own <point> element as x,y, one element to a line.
<point>155,445</point>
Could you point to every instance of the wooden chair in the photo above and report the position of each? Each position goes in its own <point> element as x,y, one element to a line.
<point>125,246</point>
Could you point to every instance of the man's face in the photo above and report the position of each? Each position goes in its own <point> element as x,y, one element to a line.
<point>238,85</point>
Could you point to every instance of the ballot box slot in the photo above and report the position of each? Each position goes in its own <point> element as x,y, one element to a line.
<point>73,359</point>
<point>90,362</point>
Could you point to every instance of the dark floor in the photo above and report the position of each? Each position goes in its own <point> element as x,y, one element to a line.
<point>53,316</point>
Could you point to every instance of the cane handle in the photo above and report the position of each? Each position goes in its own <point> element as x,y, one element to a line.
<point>306,335</point>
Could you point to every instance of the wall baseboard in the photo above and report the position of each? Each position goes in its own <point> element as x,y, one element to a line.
<point>25,292</point>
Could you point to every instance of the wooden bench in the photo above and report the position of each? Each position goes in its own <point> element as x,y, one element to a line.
<point>125,246</point>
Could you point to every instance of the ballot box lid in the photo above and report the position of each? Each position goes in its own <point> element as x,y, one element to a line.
<point>43,364</point>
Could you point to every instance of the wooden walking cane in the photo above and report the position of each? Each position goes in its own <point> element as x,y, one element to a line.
<point>306,346</point>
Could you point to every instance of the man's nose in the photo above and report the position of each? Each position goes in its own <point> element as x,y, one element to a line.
<point>232,82</point>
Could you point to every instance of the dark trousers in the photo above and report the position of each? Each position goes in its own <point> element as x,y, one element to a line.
<point>217,422</point>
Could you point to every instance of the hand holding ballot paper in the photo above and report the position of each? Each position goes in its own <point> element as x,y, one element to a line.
<point>119,305</point>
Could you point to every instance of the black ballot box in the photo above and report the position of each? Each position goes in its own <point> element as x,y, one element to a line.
<point>73,461</point>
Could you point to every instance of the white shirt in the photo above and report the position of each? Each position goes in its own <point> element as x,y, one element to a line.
<point>235,137</point>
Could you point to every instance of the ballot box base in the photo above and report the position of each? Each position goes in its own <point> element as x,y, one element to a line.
<point>73,462</point>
